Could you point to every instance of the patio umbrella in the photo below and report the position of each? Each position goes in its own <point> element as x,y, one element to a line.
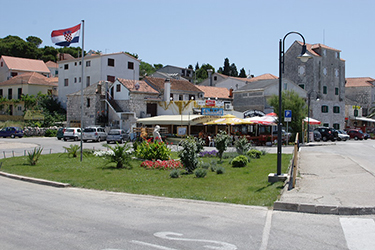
<point>312,121</point>
<point>262,120</point>
<point>226,120</point>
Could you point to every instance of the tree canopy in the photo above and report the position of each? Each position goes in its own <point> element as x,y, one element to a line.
<point>290,101</point>
<point>17,47</point>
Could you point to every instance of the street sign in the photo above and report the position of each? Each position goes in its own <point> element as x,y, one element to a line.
<point>287,115</point>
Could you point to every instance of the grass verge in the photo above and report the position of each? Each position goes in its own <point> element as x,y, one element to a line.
<point>248,185</point>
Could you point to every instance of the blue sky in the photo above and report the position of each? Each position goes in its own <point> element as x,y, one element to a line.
<point>179,33</point>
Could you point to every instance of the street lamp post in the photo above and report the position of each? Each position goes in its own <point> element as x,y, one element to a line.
<point>308,111</point>
<point>303,57</point>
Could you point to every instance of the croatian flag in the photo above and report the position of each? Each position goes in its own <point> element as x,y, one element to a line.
<point>66,36</point>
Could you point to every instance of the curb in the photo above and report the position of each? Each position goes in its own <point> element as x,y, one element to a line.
<point>322,209</point>
<point>35,180</point>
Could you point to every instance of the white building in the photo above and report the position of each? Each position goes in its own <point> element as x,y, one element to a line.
<point>97,68</point>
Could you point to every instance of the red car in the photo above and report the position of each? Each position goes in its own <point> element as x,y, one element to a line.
<point>356,134</point>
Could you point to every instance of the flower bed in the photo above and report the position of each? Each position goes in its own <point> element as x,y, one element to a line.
<point>164,165</point>
<point>212,153</point>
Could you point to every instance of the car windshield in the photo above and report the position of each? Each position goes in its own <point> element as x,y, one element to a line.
<point>89,130</point>
<point>114,132</point>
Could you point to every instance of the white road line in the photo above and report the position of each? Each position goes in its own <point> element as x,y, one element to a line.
<point>151,245</point>
<point>266,231</point>
<point>359,233</point>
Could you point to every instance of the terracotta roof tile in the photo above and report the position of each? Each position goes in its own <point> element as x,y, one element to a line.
<point>131,85</point>
<point>31,78</point>
<point>213,92</point>
<point>359,82</point>
<point>181,85</point>
<point>51,64</point>
<point>24,64</point>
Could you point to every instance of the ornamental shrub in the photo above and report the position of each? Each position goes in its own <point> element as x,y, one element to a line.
<point>220,170</point>
<point>200,173</point>
<point>254,153</point>
<point>33,156</point>
<point>121,155</point>
<point>240,161</point>
<point>149,150</point>
<point>175,173</point>
<point>188,154</point>
<point>222,140</point>
<point>242,145</point>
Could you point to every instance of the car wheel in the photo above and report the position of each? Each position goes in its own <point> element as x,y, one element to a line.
<point>324,138</point>
<point>355,138</point>
<point>84,140</point>
<point>12,136</point>
<point>121,141</point>
<point>65,139</point>
<point>58,138</point>
<point>76,138</point>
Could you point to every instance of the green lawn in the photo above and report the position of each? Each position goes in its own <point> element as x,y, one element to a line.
<point>248,185</point>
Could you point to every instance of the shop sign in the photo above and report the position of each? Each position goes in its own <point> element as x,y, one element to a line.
<point>210,102</point>
<point>213,111</point>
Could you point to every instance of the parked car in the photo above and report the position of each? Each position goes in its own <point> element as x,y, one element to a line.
<point>317,135</point>
<point>94,133</point>
<point>11,132</point>
<point>60,133</point>
<point>328,133</point>
<point>356,134</point>
<point>72,134</point>
<point>117,135</point>
<point>343,136</point>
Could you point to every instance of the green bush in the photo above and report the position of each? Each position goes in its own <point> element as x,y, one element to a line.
<point>50,133</point>
<point>188,154</point>
<point>220,170</point>
<point>148,150</point>
<point>254,153</point>
<point>175,173</point>
<point>213,165</point>
<point>200,173</point>
<point>240,161</point>
<point>204,165</point>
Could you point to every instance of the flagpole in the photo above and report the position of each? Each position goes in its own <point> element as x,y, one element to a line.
<point>82,79</point>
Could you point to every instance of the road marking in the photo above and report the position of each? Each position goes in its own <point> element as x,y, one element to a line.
<point>359,233</point>
<point>224,245</point>
<point>151,245</point>
<point>266,231</point>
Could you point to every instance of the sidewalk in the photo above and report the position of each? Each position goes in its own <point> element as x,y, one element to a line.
<point>329,184</point>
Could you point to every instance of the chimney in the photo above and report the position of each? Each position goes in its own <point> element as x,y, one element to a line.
<point>231,93</point>
<point>209,71</point>
<point>167,90</point>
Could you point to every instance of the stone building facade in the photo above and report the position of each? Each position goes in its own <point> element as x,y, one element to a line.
<point>94,108</point>
<point>321,76</point>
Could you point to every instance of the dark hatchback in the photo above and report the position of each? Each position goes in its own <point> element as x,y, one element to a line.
<point>11,132</point>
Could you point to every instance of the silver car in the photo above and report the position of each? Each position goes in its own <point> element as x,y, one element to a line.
<point>72,134</point>
<point>117,135</point>
<point>94,133</point>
